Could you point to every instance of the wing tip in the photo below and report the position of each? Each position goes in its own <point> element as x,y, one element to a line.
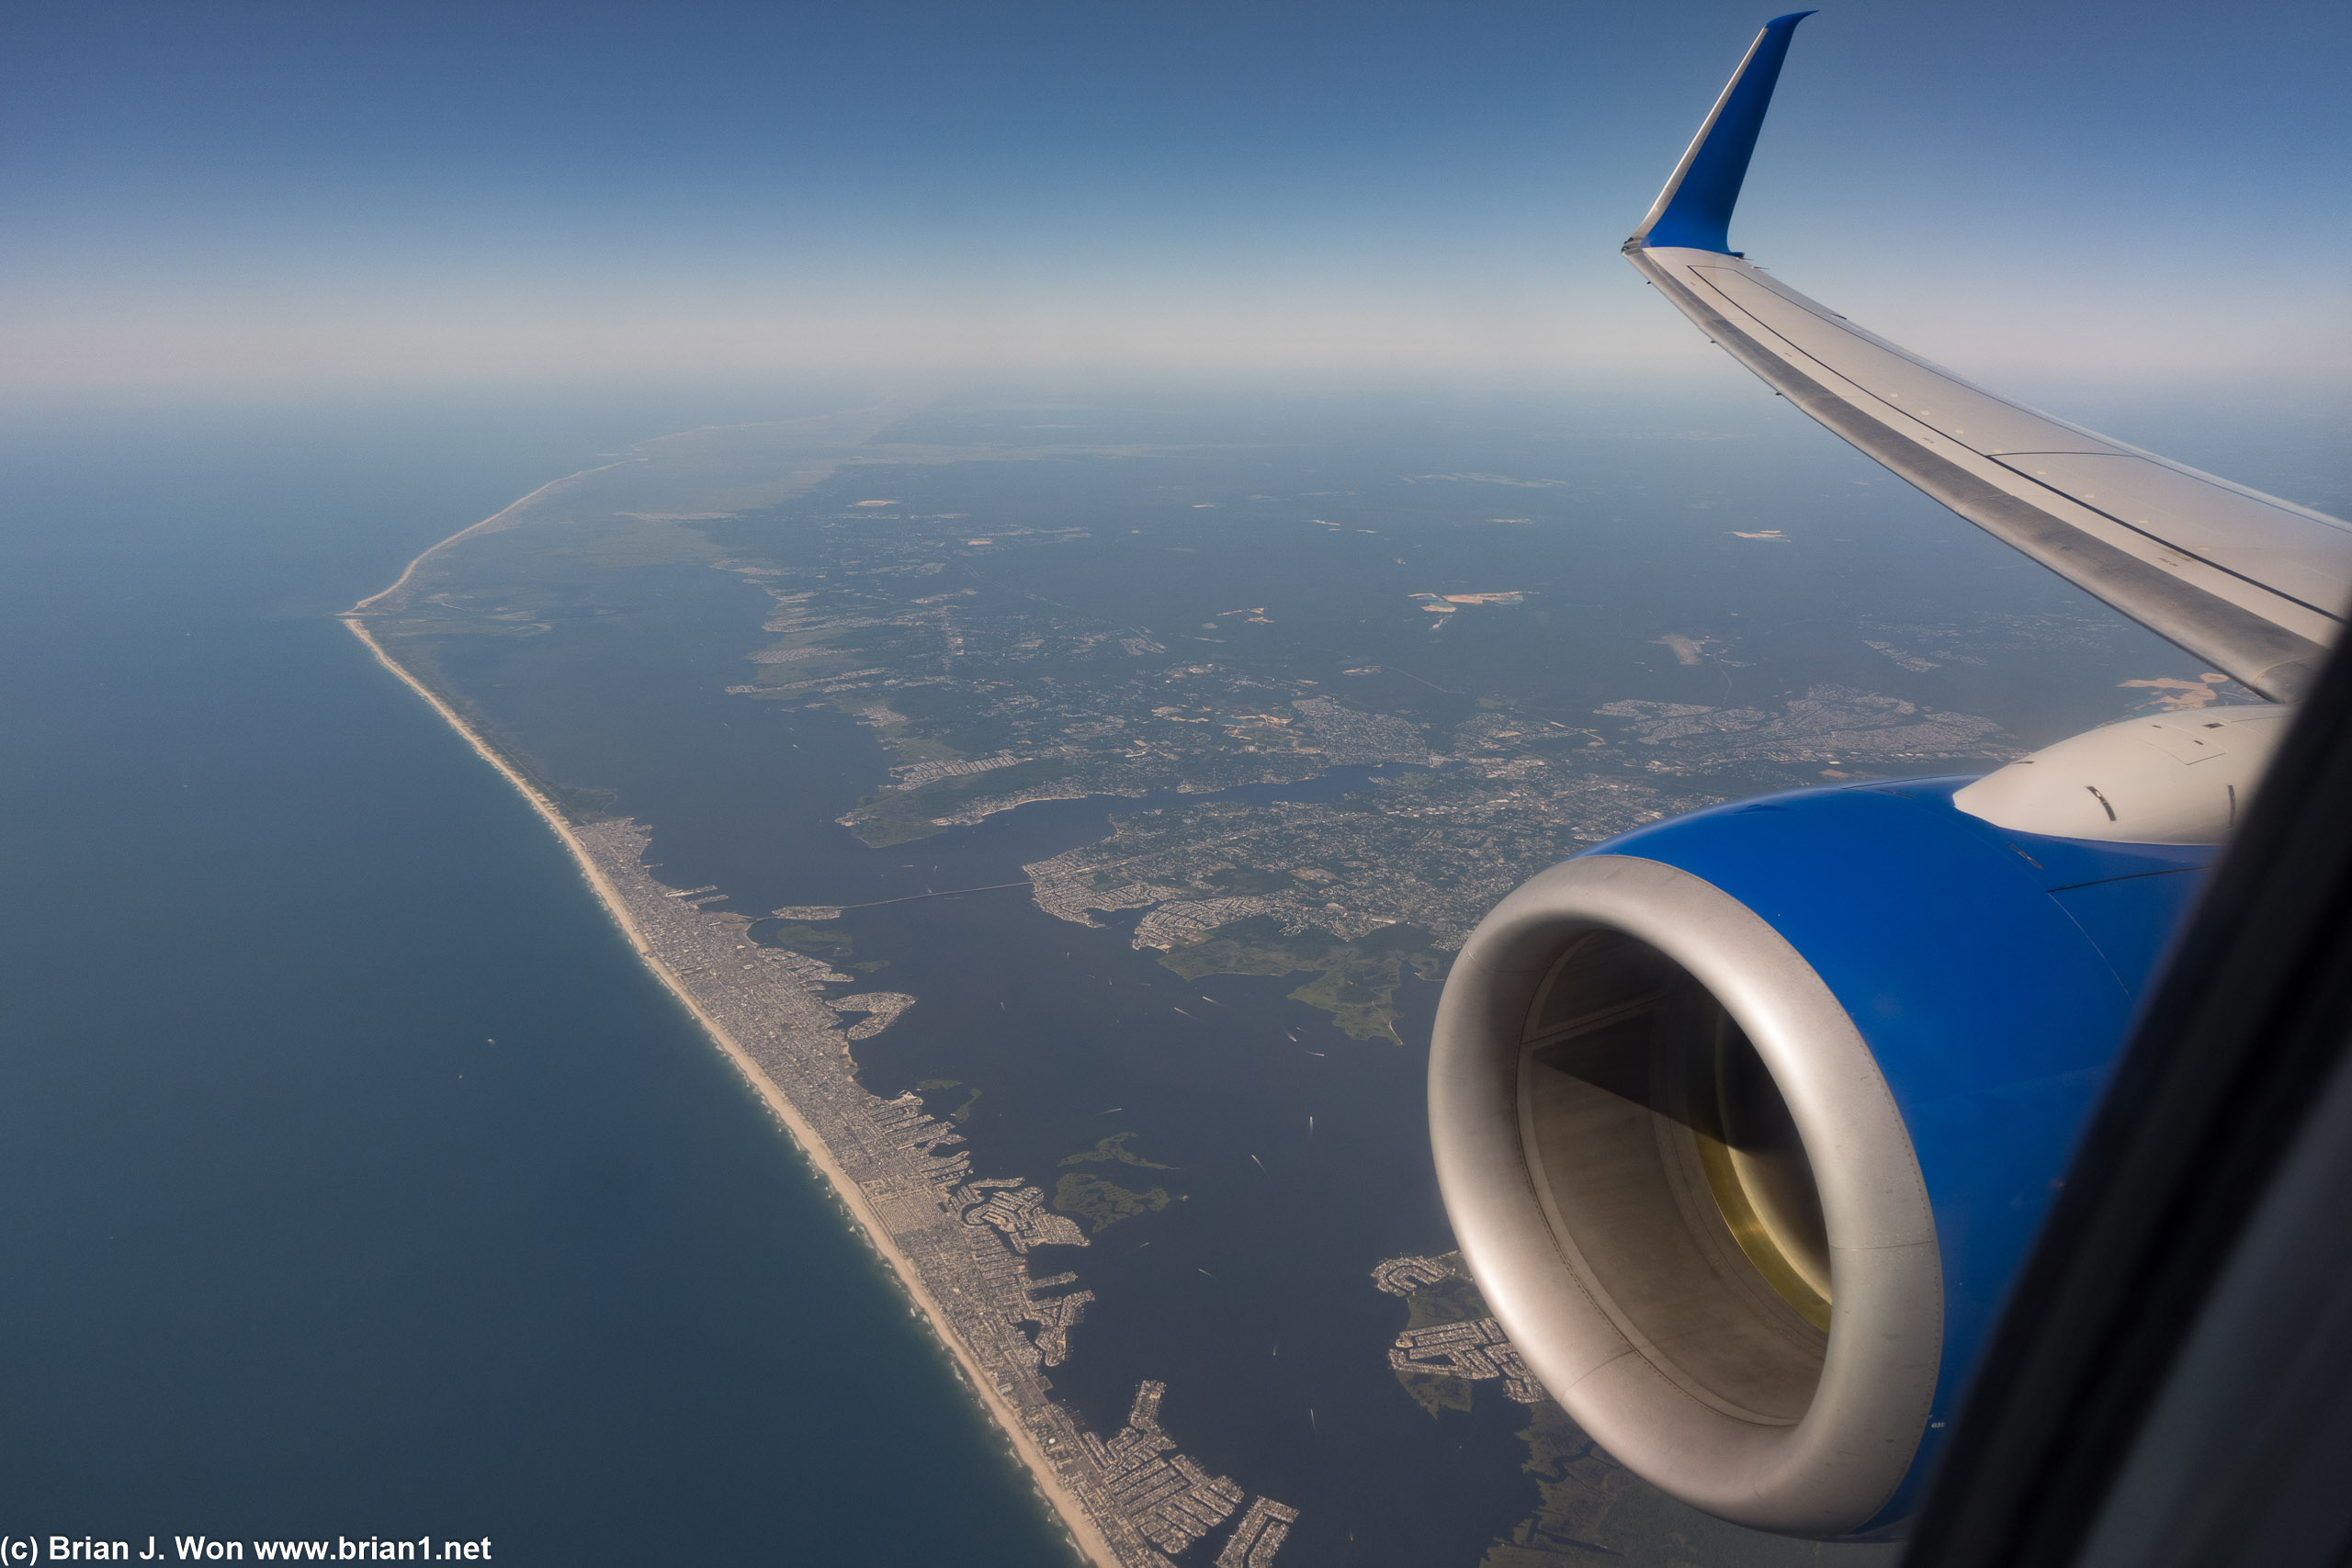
<point>1694,209</point>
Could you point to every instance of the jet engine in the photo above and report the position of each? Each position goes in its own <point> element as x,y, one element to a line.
<point>1746,1120</point>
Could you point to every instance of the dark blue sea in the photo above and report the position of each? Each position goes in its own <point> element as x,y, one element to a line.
<point>354,1179</point>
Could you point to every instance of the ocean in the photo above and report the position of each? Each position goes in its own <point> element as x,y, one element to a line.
<point>357,1180</point>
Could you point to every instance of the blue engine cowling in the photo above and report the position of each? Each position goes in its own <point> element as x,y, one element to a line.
<point>1745,1121</point>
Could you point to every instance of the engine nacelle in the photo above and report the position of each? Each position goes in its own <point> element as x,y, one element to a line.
<point>1745,1122</point>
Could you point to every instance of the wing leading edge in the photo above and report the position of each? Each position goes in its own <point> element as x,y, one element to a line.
<point>2255,586</point>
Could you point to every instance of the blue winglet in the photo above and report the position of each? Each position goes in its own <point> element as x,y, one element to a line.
<point>1694,209</point>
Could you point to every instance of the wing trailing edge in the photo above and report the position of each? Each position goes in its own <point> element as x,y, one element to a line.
<point>2254,585</point>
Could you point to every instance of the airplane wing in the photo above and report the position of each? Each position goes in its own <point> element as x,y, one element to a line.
<point>1746,1120</point>
<point>2255,586</point>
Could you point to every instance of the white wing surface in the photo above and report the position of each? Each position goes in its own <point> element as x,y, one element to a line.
<point>2255,585</point>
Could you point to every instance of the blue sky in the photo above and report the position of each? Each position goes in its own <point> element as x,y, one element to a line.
<point>201,190</point>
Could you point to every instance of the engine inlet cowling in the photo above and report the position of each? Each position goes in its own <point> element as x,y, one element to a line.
<point>1744,1121</point>
<point>1666,1156</point>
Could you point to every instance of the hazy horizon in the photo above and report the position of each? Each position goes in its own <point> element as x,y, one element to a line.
<point>280,194</point>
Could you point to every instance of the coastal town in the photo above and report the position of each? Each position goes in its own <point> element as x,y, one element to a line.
<point>962,1242</point>
<point>1473,1349</point>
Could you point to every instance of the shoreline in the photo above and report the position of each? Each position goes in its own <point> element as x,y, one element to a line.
<point>410,571</point>
<point>1075,1517</point>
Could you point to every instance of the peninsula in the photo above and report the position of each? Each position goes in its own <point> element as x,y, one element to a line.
<point>958,1244</point>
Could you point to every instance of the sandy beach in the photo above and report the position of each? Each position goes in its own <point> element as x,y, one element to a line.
<point>492,521</point>
<point>1072,1512</point>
